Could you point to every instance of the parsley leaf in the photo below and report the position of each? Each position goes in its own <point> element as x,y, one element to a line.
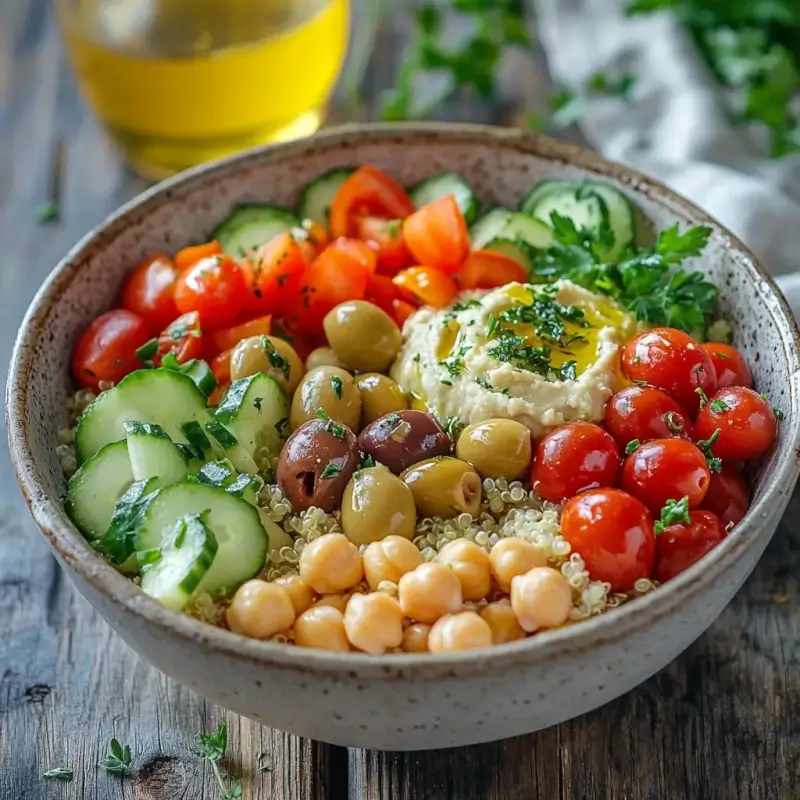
<point>59,773</point>
<point>212,748</point>
<point>632,446</point>
<point>118,758</point>
<point>714,464</point>
<point>339,431</point>
<point>331,471</point>
<point>673,512</point>
<point>337,386</point>
<point>48,212</point>
<point>718,406</point>
<point>257,401</point>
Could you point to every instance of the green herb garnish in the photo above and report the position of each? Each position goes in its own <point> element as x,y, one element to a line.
<point>257,403</point>
<point>118,758</point>
<point>59,773</point>
<point>718,406</point>
<point>146,352</point>
<point>673,512</point>
<point>281,425</point>
<point>368,462</point>
<point>274,357</point>
<point>632,446</point>
<point>337,386</point>
<point>714,464</point>
<point>331,470</point>
<point>453,427</point>
<point>339,431</point>
<point>212,748</point>
<point>48,212</point>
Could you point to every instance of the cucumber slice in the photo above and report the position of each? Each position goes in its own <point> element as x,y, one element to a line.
<point>246,487</point>
<point>154,455</point>
<point>196,436</point>
<point>161,396</point>
<point>254,411</point>
<point>430,189</point>
<point>621,216</point>
<point>532,232</point>
<point>201,374</point>
<point>186,555</point>
<point>117,543</point>
<point>222,473</point>
<point>241,537</point>
<point>517,250</point>
<point>94,490</point>
<point>540,190</point>
<point>250,225</point>
<point>231,447</point>
<point>315,202</point>
<point>584,207</point>
<point>489,227</point>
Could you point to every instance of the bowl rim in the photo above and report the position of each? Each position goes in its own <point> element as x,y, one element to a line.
<point>74,551</point>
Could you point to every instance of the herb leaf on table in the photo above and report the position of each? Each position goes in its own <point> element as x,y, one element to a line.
<point>212,748</point>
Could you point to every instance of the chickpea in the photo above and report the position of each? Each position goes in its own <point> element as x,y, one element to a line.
<point>503,622</point>
<point>428,592</point>
<point>541,598</point>
<point>322,357</point>
<point>267,354</point>
<point>331,564</point>
<point>299,592</point>
<point>321,627</point>
<point>373,622</point>
<point>260,610</point>
<point>463,631</point>
<point>415,638</point>
<point>338,601</point>
<point>389,559</point>
<point>471,566</point>
<point>511,557</point>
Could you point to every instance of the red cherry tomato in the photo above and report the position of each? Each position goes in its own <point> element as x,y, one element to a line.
<point>666,469</point>
<point>745,420</point>
<point>183,338</point>
<point>644,413</point>
<point>215,287</point>
<point>191,255</point>
<point>221,367</point>
<point>367,191</point>
<point>671,360</point>
<point>728,496</point>
<point>386,237</point>
<point>273,274</point>
<point>228,338</point>
<point>148,291</point>
<point>681,545</point>
<point>107,349</point>
<point>359,251</point>
<point>401,311</point>
<point>437,234</point>
<point>572,458</point>
<point>426,285</point>
<point>484,269</point>
<point>382,292</point>
<point>613,534</point>
<point>730,365</point>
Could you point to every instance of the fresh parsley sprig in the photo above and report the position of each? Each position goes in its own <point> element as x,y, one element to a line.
<point>212,748</point>
<point>118,758</point>
<point>674,511</point>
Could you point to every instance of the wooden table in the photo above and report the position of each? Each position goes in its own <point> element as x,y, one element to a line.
<point>722,721</point>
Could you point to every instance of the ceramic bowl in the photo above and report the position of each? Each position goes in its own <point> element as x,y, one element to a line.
<point>405,701</point>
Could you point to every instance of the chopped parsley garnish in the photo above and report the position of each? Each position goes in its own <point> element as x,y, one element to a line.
<point>718,406</point>
<point>723,356</point>
<point>484,384</point>
<point>632,446</point>
<point>393,418</point>
<point>257,403</point>
<point>416,358</point>
<point>779,415</point>
<point>337,386</point>
<point>463,306</point>
<point>454,364</point>
<point>59,773</point>
<point>547,317</point>
<point>48,212</point>
<point>146,352</point>
<point>339,431</point>
<point>368,462</point>
<point>118,758</point>
<point>274,357</point>
<point>714,464</point>
<point>453,427</point>
<point>331,471</point>
<point>516,351</point>
<point>673,512</point>
<point>491,324</point>
<point>446,382</point>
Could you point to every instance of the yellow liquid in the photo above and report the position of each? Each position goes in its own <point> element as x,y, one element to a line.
<point>178,82</point>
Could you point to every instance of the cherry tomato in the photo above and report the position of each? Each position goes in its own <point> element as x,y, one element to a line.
<point>745,420</point>
<point>367,191</point>
<point>681,545</point>
<point>386,236</point>
<point>644,413</point>
<point>484,269</point>
<point>273,274</point>
<point>359,251</point>
<point>221,367</point>
<point>671,360</point>
<point>613,534</point>
<point>228,338</point>
<point>215,287</point>
<point>728,496</point>
<point>148,291</point>
<point>191,255</point>
<point>107,349</point>
<point>401,311</point>
<point>666,469</point>
<point>437,234</point>
<point>572,458</point>
<point>730,365</point>
<point>382,292</point>
<point>426,285</point>
<point>183,338</point>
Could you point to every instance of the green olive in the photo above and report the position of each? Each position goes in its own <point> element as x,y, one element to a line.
<point>322,357</point>
<point>267,354</point>
<point>444,487</point>
<point>497,448</point>
<point>330,389</point>
<point>379,396</point>
<point>363,336</point>
<point>377,504</point>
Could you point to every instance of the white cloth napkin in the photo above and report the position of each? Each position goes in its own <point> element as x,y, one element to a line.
<point>677,128</point>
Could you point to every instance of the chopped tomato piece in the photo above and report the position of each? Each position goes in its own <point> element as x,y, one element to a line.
<point>401,311</point>
<point>486,270</point>
<point>221,367</point>
<point>274,274</point>
<point>437,234</point>
<point>367,191</point>
<point>382,292</point>
<point>215,288</point>
<point>360,251</point>
<point>107,349</point>
<point>427,285</point>
<point>386,236</point>
<point>228,338</point>
<point>183,338</point>
<point>316,234</point>
<point>147,291</point>
<point>218,394</point>
<point>191,255</point>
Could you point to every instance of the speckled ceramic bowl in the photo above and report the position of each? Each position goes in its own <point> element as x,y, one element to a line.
<point>406,701</point>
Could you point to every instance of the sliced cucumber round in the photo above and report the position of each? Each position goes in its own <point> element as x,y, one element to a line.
<point>532,232</point>
<point>621,216</point>
<point>515,249</point>
<point>154,455</point>
<point>584,207</point>
<point>118,542</point>
<point>489,227</point>
<point>315,202</point>
<point>444,183</point>
<point>542,188</point>
<point>230,447</point>
<point>250,225</point>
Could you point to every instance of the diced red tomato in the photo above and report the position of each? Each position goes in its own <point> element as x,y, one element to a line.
<point>107,348</point>
<point>221,367</point>
<point>486,270</point>
<point>386,236</point>
<point>728,495</point>
<point>681,545</point>
<point>359,251</point>
<point>437,235</point>
<point>316,234</point>
<point>427,285</point>
<point>228,338</point>
<point>191,255</point>
<point>183,338</point>
<point>402,311</point>
<point>367,191</point>
<point>215,288</point>
<point>147,291</point>
<point>382,292</point>
<point>730,365</point>
<point>218,394</point>
<point>273,275</point>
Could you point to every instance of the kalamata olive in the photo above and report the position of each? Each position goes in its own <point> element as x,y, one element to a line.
<point>497,448</point>
<point>444,487</point>
<point>316,464</point>
<point>330,389</point>
<point>377,504</point>
<point>267,354</point>
<point>403,438</point>
<point>380,395</point>
<point>363,336</point>
<point>322,357</point>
